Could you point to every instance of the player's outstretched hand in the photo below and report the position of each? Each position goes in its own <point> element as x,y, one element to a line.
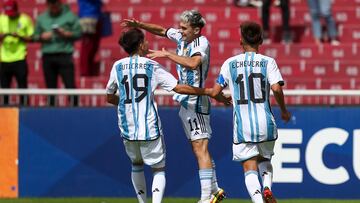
<point>157,53</point>
<point>130,23</point>
<point>285,116</point>
<point>227,100</point>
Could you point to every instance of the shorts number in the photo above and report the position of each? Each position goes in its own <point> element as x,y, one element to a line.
<point>136,87</point>
<point>252,76</point>
<point>195,123</point>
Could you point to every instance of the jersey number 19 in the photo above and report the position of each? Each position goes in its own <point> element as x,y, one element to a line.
<point>136,87</point>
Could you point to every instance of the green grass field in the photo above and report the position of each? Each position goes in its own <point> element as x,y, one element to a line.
<point>167,200</point>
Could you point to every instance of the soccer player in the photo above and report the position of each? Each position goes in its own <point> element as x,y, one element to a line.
<point>192,59</point>
<point>250,76</point>
<point>136,77</point>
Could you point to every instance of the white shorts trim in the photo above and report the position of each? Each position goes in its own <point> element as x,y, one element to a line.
<point>196,126</point>
<point>151,153</point>
<point>245,151</point>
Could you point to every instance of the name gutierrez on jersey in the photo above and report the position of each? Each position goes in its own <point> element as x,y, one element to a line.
<point>134,66</point>
<point>242,64</point>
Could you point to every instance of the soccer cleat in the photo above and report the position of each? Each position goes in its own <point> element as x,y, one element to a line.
<point>268,196</point>
<point>218,196</point>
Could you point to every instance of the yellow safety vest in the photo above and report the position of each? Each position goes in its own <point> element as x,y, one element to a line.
<point>12,48</point>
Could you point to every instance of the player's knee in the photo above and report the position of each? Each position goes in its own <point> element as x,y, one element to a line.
<point>200,144</point>
<point>200,150</point>
<point>203,154</point>
<point>250,164</point>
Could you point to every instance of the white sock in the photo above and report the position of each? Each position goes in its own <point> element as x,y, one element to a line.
<point>253,186</point>
<point>138,180</point>
<point>158,186</point>
<point>205,182</point>
<point>214,183</point>
<point>266,172</point>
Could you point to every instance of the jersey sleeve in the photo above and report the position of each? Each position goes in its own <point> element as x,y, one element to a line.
<point>112,85</point>
<point>274,75</point>
<point>164,79</point>
<point>199,46</point>
<point>223,79</point>
<point>173,34</point>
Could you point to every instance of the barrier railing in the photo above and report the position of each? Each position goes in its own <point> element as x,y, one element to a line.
<point>96,97</point>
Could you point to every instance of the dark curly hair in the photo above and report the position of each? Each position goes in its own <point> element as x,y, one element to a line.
<point>131,39</point>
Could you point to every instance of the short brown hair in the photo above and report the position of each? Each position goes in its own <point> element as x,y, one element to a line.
<point>131,39</point>
<point>252,33</point>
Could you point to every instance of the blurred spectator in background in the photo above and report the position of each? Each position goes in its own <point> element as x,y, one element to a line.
<point>57,29</point>
<point>16,30</point>
<point>90,21</point>
<point>318,9</point>
<point>284,5</point>
<point>246,3</point>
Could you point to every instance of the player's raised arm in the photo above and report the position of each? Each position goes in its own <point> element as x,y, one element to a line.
<point>152,28</point>
<point>187,62</point>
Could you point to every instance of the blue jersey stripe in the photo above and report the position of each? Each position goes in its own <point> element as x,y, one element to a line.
<point>178,67</point>
<point>178,70</point>
<point>157,128</point>
<point>184,102</point>
<point>136,92</point>
<point>199,101</point>
<point>189,80</point>
<point>208,66</point>
<point>237,115</point>
<point>249,101</point>
<point>149,73</point>
<point>254,105</point>
<point>121,105</point>
<point>269,123</point>
<point>132,96</point>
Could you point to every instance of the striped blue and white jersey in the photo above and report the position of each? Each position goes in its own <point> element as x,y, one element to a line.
<point>136,79</point>
<point>197,77</point>
<point>249,77</point>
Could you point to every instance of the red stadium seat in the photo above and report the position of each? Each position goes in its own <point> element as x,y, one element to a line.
<point>303,64</point>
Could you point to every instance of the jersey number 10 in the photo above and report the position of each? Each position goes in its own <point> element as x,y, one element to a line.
<point>251,81</point>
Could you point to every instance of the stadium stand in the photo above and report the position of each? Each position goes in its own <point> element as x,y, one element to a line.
<point>303,64</point>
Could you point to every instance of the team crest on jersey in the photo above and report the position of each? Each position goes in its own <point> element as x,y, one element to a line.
<point>186,51</point>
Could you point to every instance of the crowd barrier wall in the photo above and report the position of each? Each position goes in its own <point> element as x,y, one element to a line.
<point>76,152</point>
<point>9,126</point>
